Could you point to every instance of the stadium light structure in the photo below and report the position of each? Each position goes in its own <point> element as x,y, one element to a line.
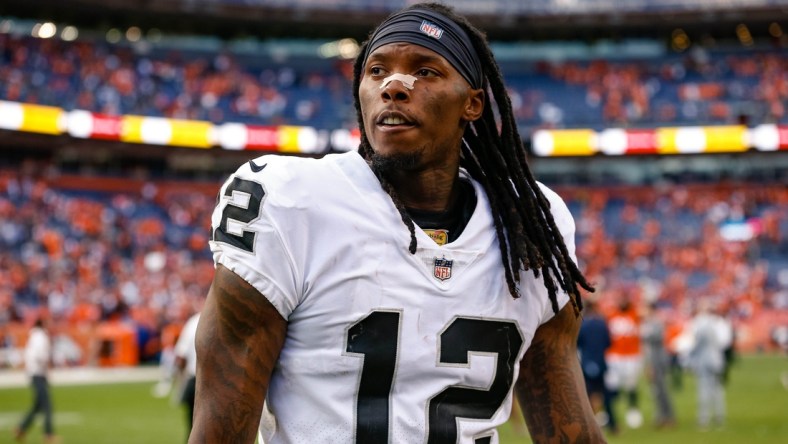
<point>6,26</point>
<point>775,30</point>
<point>133,34</point>
<point>113,35</point>
<point>44,30</point>
<point>69,33</point>
<point>344,48</point>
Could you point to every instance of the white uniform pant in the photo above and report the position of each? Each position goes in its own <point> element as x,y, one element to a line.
<point>711,398</point>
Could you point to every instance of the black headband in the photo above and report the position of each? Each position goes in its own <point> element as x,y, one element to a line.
<point>433,31</point>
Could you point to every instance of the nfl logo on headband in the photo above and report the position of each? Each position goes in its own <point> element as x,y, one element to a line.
<point>431,29</point>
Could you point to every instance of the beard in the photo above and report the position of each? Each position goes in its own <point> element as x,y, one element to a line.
<point>390,163</point>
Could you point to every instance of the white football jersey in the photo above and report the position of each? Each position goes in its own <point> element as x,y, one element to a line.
<point>382,345</point>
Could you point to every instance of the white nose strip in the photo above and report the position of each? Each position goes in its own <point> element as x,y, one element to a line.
<point>407,80</point>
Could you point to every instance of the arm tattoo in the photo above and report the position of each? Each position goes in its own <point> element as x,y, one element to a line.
<point>551,389</point>
<point>238,343</point>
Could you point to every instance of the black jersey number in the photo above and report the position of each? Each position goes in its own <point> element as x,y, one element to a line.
<point>241,213</point>
<point>376,337</point>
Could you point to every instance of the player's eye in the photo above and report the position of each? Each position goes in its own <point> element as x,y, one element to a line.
<point>376,71</point>
<point>426,72</point>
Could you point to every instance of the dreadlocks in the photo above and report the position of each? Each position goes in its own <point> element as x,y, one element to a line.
<point>527,233</point>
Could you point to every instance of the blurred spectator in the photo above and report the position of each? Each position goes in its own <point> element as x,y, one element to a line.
<point>186,362</point>
<point>657,363</point>
<point>673,336</point>
<point>624,358</point>
<point>593,341</point>
<point>780,336</point>
<point>711,334</point>
<point>38,359</point>
<point>729,352</point>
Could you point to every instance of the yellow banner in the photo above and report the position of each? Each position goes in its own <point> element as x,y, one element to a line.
<point>131,129</point>
<point>726,139</point>
<point>580,142</point>
<point>191,133</point>
<point>42,119</point>
<point>288,139</point>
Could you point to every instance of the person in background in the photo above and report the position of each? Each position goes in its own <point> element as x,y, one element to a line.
<point>404,292</point>
<point>624,360</point>
<point>38,359</point>
<point>592,343</point>
<point>710,337</point>
<point>186,364</point>
<point>779,335</point>
<point>657,365</point>
<point>674,335</point>
<point>167,367</point>
<point>170,333</point>
<point>730,351</point>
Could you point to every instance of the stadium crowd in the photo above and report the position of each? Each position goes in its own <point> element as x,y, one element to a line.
<point>123,268</point>
<point>130,266</point>
<point>700,86</point>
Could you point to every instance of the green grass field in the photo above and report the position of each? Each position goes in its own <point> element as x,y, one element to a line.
<point>128,414</point>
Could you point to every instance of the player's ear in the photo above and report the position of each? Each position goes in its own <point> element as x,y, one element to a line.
<point>474,105</point>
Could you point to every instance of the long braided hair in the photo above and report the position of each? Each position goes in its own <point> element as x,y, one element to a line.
<point>527,233</point>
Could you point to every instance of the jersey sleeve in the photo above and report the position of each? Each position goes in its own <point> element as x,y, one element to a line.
<point>246,232</point>
<point>563,219</point>
<point>566,225</point>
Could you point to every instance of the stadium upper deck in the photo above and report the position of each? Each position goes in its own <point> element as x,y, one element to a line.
<point>699,87</point>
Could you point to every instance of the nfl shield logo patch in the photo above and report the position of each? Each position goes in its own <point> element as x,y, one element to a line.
<point>431,29</point>
<point>442,269</point>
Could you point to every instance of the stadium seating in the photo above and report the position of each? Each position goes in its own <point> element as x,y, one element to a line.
<point>723,86</point>
<point>135,260</point>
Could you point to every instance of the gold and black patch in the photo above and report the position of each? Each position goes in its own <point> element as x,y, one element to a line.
<point>439,236</point>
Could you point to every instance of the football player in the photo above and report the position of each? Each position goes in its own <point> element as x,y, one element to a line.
<point>404,292</point>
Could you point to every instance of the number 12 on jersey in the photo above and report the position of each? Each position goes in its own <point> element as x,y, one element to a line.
<point>376,338</point>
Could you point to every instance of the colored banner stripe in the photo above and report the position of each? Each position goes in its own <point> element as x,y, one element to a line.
<point>299,139</point>
<point>617,141</point>
<point>769,137</point>
<point>11,115</point>
<point>107,127</point>
<point>672,140</point>
<point>667,140</point>
<point>288,139</point>
<point>131,129</point>
<point>262,138</point>
<point>726,139</point>
<point>31,118</point>
<point>581,142</point>
<point>162,131</point>
<point>42,119</point>
<point>641,142</point>
<point>88,125</point>
<point>783,137</point>
<point>191,133</point>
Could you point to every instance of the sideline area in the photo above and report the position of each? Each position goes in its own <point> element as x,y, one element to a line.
<point>84,376</point>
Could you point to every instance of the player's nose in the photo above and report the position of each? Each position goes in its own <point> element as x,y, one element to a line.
<point>395,90</point>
